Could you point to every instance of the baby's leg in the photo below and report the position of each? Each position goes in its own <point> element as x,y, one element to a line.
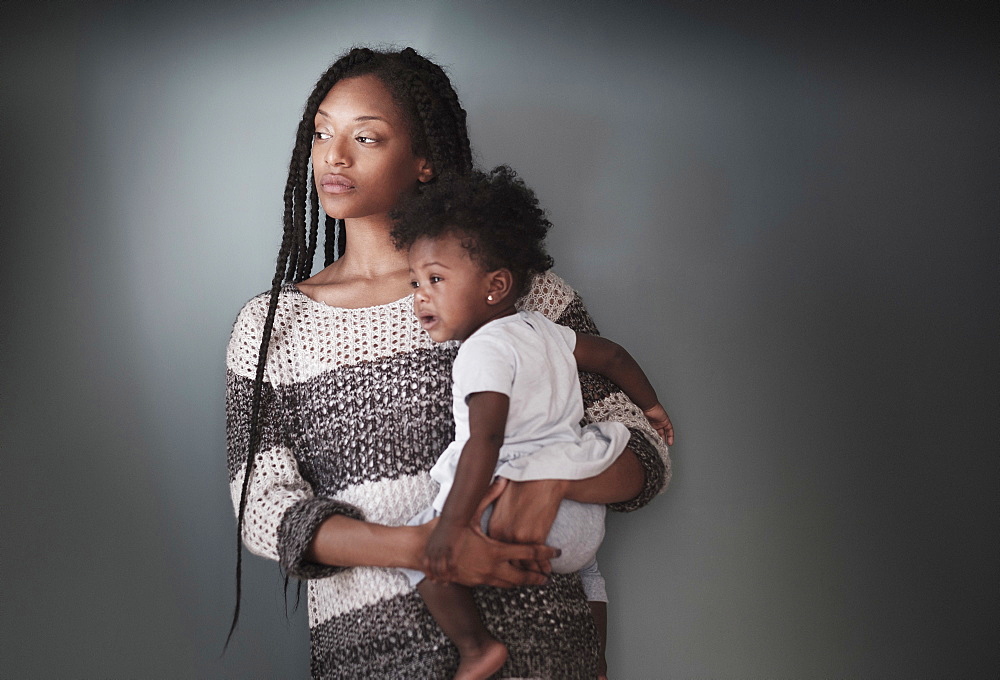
<point>453,608</point>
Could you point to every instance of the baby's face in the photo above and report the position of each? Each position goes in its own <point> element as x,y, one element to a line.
<point>449,288</point>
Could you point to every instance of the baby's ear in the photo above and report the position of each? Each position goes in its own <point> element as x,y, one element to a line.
<point>501,285</point>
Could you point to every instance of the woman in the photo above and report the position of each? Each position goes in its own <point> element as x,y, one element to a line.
<point>338,403</point>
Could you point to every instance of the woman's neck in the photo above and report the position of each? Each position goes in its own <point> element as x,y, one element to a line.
<point>369,252</point>
<point>371,272</point>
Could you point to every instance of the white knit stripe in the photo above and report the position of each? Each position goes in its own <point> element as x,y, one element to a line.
<point>617,407</point>
<point>353,590</point>
<point>391,501</point>
<point>310,338</point>
<point>275,487</point>
<point>383,330</point>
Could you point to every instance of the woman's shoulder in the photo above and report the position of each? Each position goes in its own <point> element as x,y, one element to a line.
<point>254,312</point>
<point>244,342</point>
<point>549,295</point>
<point>559,302</point>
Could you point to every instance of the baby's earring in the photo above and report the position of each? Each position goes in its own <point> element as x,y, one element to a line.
<point>489,298</point>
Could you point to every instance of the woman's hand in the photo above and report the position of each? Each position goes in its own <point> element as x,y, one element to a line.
<point>477,559</point>
<point>524,513</point>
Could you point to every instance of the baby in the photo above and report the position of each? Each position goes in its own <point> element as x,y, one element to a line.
<point>475,243</point>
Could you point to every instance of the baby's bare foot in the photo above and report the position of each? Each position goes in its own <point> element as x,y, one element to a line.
<point>483,662</point>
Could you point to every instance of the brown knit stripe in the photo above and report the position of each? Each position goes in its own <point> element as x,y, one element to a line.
<point>533,622</point>
<point>342,436</point>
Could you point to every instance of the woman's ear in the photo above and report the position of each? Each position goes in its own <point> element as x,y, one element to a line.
<point>425,173</point>
<point>501,285</point>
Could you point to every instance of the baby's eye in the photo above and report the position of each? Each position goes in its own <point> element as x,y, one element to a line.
<point>414,284</point>
<point>435,279</point>
<point>321,136</point>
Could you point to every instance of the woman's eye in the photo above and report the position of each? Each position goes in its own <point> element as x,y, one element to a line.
<point>366,140</point>
<point>321,136</point>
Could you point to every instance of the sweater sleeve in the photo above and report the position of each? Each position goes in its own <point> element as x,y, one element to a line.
<point>282,513</point>
<point>602,399</point>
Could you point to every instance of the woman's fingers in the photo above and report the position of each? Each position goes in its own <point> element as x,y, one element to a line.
<point>541,566</point>
<point>477,559</point>
<point>509,576</point>
<point>531,559</point>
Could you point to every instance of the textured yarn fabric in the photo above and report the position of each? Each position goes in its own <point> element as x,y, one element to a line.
<point>356,407</point>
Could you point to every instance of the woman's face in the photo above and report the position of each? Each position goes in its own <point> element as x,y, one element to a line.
<point>362,157</point>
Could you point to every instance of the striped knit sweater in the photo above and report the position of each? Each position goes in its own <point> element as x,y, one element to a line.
<point>356,409</point>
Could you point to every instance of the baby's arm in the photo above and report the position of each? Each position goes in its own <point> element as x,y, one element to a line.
<point>487,421</point>
<point>600,355</point>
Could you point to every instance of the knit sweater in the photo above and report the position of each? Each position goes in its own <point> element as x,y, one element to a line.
<point>356,407</point>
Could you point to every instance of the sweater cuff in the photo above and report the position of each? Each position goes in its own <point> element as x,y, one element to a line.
<point>298,527</point>
<point>652,465</point>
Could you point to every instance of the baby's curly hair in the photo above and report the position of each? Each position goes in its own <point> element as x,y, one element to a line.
<point>494,212</point>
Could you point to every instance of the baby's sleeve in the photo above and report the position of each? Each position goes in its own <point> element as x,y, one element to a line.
<point>484,364</point>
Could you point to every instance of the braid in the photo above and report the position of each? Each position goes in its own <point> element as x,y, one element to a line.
<point>441,147</point>
<point>438,129</point>
<point>453,130</point>
<point>298,220</point>
<point>258,384</point>
<point>329,241</point>
<point>306,269</point>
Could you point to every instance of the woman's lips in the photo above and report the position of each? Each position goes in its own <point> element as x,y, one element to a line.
<point>336,184</point>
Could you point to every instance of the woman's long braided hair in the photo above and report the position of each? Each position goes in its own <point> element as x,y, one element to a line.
<point>437,128</point>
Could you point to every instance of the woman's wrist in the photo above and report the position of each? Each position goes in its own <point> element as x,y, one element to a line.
<point>412,544</point>
<point>345,542</point>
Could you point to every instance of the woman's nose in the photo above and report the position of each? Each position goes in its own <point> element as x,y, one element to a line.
<point>337,151</point>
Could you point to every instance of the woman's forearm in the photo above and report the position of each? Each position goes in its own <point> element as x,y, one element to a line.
<point>345,542</point>
<point>621,482</point>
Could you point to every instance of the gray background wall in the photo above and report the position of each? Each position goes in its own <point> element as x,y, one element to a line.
<point>788,214</point>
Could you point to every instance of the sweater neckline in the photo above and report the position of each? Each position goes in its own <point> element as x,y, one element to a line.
<point>295,289</point>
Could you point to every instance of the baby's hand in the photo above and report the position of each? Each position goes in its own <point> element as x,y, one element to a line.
<point>660,421</point>
<point>439,554</point>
